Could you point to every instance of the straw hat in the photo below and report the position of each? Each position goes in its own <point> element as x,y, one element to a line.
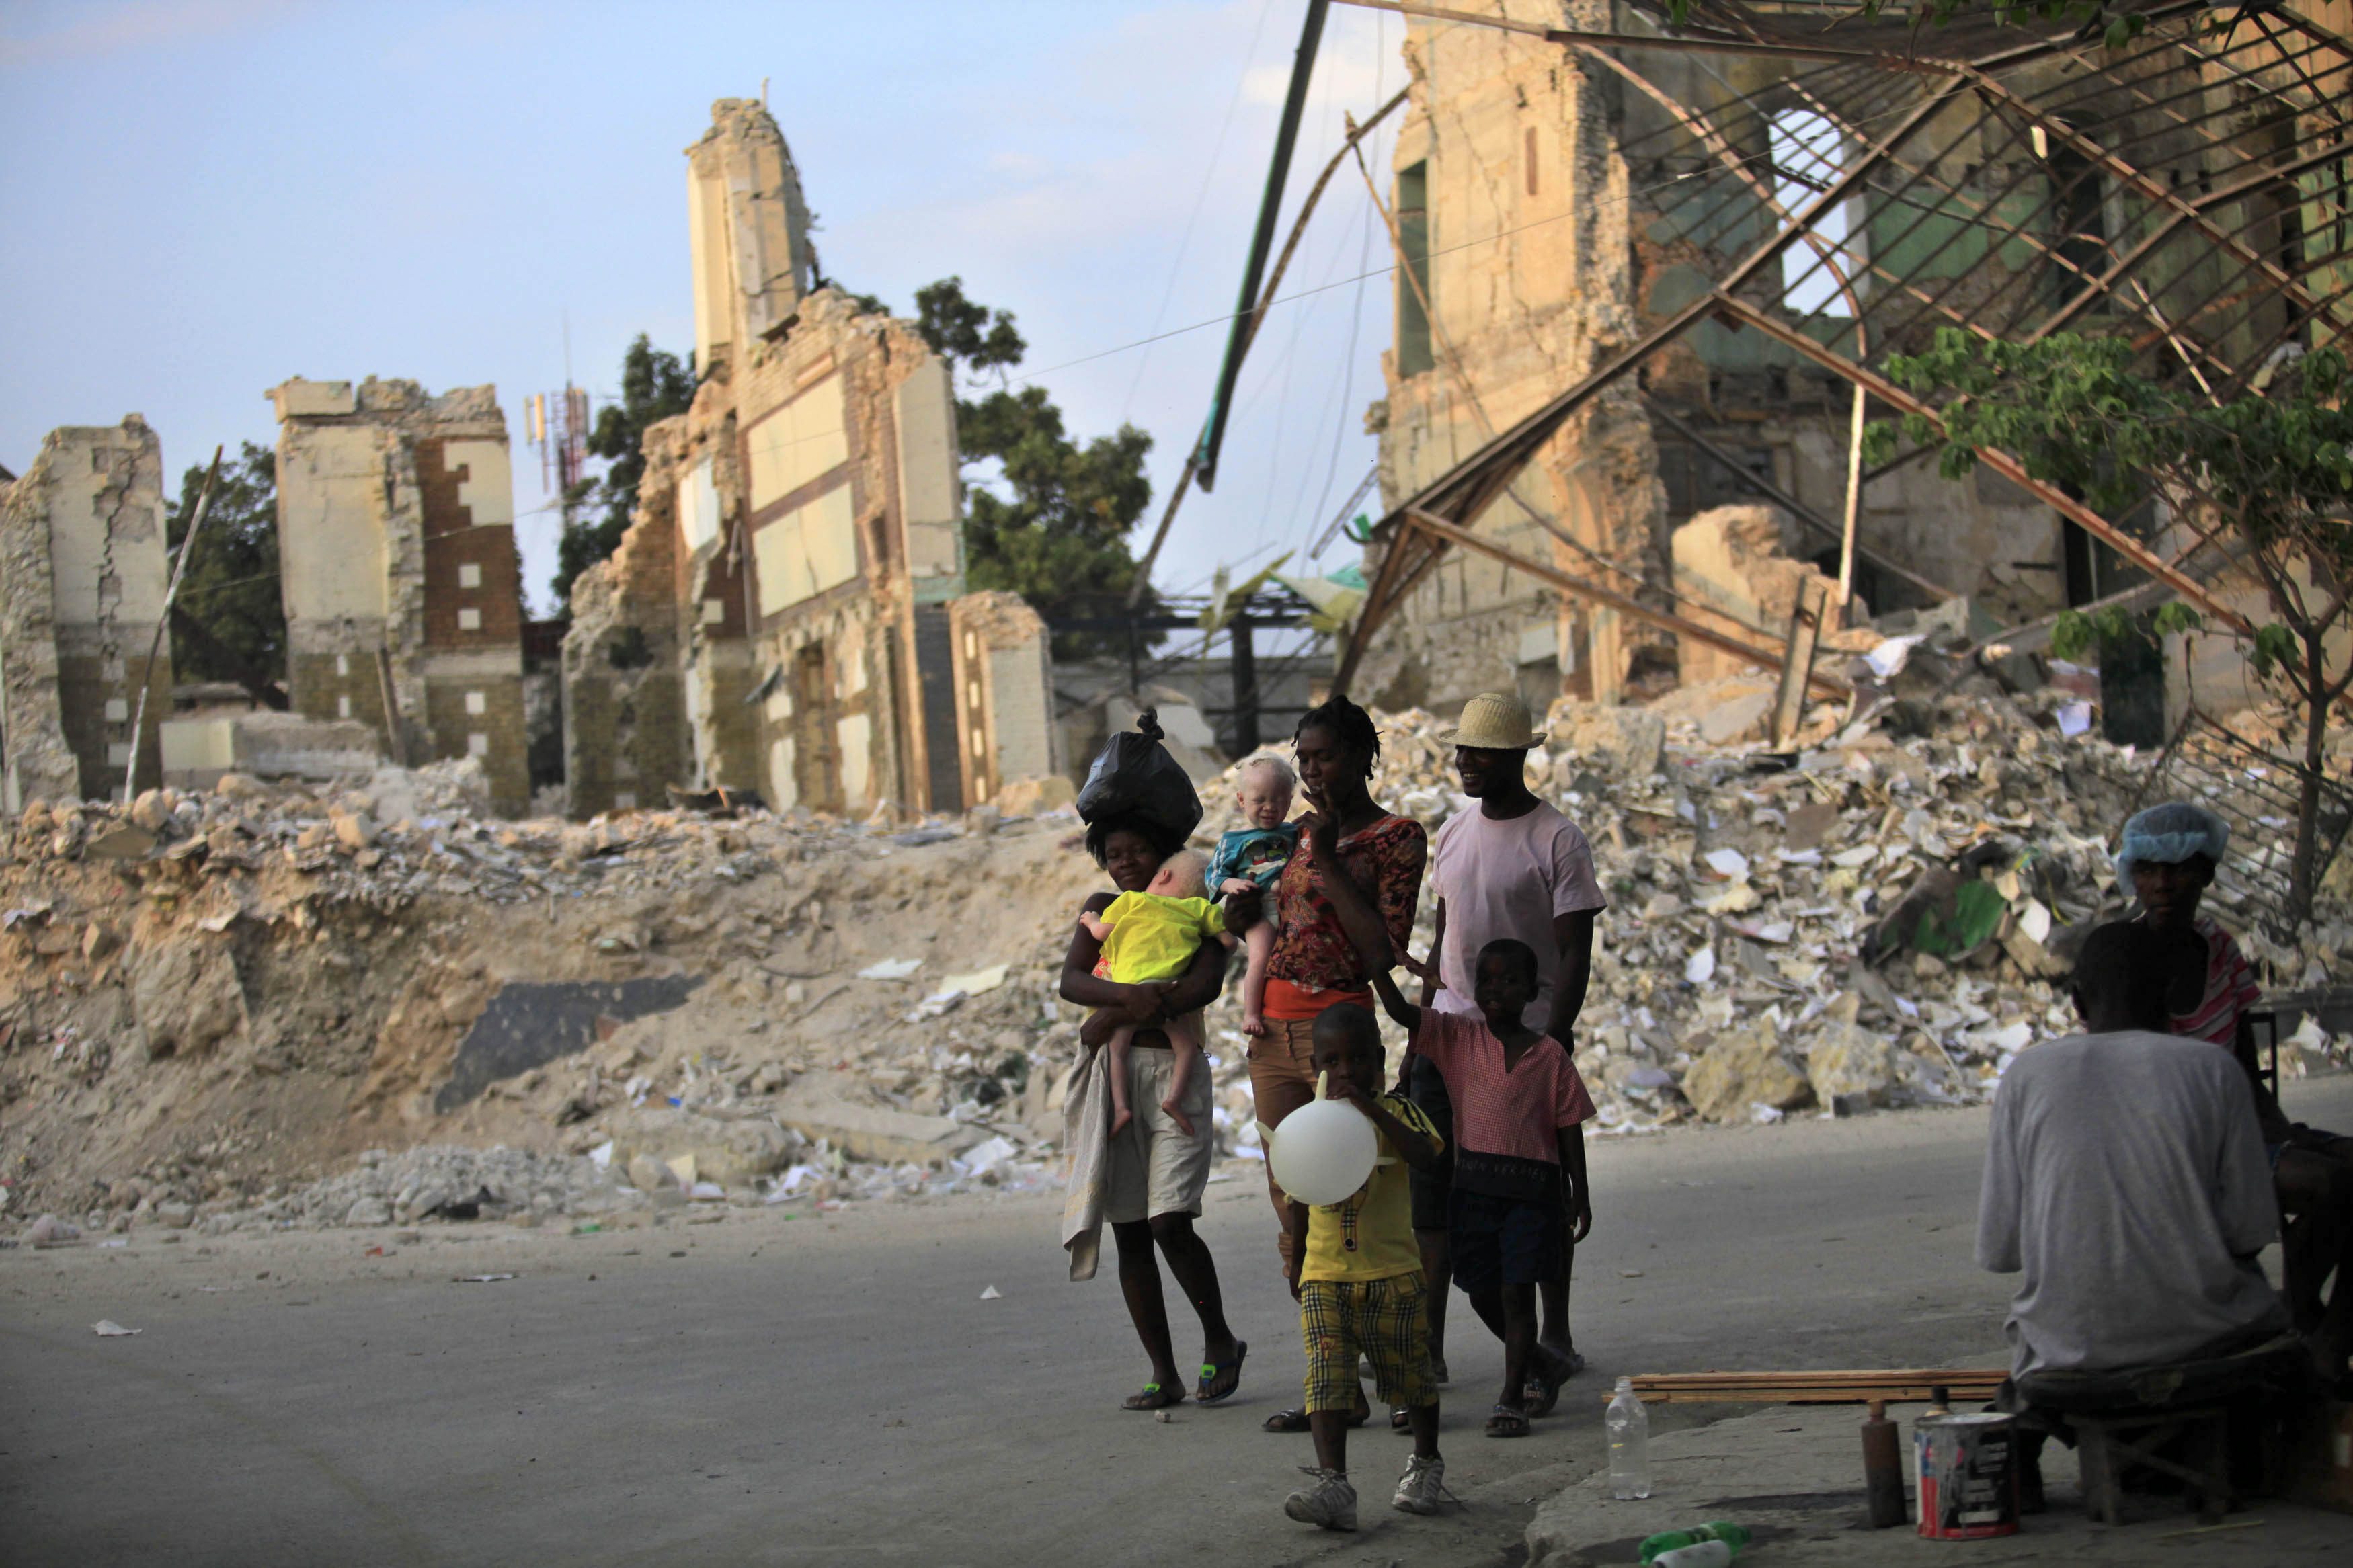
<point>1494,722</point>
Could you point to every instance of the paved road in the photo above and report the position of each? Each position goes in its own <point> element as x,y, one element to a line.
<point>834,1391</point>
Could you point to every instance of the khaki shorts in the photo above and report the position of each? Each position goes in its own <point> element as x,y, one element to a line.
<point>1152,1168</point>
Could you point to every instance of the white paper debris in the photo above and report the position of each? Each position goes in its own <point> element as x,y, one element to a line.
<point>1888,659</point>
<point>979,981</point>
<point>992,1294</point>
<point>890,969</point>
<point>108,1329</point>
<point>2034,920</point>
<point>1729,864</point>
<point>1700,968</point>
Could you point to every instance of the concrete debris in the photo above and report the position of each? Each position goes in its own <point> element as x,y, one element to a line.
<point>1737,965</point>
<point>708,1015</point>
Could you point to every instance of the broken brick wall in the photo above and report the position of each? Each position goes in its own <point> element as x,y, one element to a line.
<point>811,511</point>
<point>624,734</point>
<point>83,575</point>
<point>401,584</point>
<point>1513,147</point>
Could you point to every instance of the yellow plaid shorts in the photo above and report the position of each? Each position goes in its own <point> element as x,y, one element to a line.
<point>1385,1320</point>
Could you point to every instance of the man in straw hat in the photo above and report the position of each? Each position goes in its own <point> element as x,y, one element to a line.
<point>1514,868</point>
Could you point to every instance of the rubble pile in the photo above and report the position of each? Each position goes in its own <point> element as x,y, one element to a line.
<point>250,1007</point>
<point>207,1000</point>
<point>1765,952</point>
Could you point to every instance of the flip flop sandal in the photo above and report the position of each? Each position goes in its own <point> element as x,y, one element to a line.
<point>1506,1422</point>
<point>1156,1396</point>
<point>1295,1420</point>
<point>1228,1373</point>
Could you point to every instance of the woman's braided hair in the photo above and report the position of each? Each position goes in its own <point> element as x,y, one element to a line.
<point>1350,724</point>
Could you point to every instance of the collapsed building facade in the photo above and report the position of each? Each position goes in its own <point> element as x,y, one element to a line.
<point>787,611</point>
<point>398,572</point>
<point>82,582</point>
<point>1647,272</point>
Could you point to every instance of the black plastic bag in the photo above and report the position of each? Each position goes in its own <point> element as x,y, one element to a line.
<point>1135,776</point>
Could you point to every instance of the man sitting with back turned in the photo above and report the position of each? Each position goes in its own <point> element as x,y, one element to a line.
<point>2126,1182</point>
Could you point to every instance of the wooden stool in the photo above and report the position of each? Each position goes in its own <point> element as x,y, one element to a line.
<point>2113,1441</point>
<point>2124,1417</point>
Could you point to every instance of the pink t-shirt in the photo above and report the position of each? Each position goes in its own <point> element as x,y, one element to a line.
<point>1517,1113</point>
<point>1507,878</point>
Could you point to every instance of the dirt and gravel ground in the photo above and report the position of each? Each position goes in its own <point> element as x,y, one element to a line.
<point>833,1388</point>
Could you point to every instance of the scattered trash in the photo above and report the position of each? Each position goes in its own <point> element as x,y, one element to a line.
<point>481,1278</point>
<point>108,1329</point>
<point>992,1294</point>
<point>890,969</point>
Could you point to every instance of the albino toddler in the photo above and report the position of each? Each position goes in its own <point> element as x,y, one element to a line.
<point>1251,857</point>
<point>1152,936</point>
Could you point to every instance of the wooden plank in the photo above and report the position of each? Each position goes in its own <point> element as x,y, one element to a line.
<point>1894,1384</point>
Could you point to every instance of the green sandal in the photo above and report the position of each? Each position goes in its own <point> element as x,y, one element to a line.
<point>1220,1378</point>
<point>1156,1396</point>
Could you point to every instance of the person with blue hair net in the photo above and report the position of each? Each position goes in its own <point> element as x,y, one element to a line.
<point>2167,858</point>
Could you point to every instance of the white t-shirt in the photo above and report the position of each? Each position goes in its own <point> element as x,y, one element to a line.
<point>2126,1185</point>
<point>1507,878</point>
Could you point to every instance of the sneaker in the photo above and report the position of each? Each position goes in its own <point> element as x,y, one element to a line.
<point>1329,1501</point>
<point>1422,1489</point>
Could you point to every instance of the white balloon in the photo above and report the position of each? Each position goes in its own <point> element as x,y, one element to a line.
<point>1323,1151</point>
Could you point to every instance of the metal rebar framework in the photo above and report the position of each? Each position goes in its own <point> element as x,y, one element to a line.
<point>2191,192</point>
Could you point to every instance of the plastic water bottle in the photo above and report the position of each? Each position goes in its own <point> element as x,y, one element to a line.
<point>1629,1442</point>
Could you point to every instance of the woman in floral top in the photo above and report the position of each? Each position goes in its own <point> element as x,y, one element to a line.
<point>1352,849</point>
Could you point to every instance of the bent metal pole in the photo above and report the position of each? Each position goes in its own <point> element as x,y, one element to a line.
<point>164,619</point>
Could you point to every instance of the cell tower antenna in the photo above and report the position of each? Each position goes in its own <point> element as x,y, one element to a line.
<point>557,426</point>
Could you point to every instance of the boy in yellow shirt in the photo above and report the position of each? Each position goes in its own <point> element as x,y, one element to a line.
<point>1356,1271</point>
<point>1150,938</point>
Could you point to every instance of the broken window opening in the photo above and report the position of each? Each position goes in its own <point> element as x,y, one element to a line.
<point>2079,206</point>
<point>1413,351</point>
<point>1808,154</point>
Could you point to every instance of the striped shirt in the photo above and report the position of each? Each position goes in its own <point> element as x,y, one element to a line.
<point>2231,989</point>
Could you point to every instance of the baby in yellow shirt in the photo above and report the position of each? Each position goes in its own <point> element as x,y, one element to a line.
<point>1152,936</point>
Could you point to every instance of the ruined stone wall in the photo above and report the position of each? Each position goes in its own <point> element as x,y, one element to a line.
<point>402,584</point>
<point>810,512</point>
<point>83,574</point>
<point>625,730</point>
<point>1522,216</point>
<point>1004,681</point>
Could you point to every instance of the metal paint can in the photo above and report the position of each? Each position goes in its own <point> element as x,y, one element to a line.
<point>1969,1476</point>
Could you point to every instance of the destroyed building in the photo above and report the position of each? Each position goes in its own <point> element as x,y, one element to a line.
<point>787,611</point>
<point>82,580</point>
<point>1644,269</point>
<point>402,586</point>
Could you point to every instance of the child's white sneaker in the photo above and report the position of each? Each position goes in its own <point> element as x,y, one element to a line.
<point>1422,1489</point>
<point>1329,1501</point>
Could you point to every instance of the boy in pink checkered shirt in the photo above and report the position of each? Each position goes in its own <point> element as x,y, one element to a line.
<point>1519,1114</point>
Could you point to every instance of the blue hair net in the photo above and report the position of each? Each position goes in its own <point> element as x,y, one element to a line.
<point>2167,834</point>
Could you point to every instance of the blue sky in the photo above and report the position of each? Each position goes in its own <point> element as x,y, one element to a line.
<point>208,196</point>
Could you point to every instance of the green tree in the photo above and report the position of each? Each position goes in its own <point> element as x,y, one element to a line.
<point>229,622</point>
<point>655,384</point>
<point>1050,519</point>
<point>2269,475</point>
